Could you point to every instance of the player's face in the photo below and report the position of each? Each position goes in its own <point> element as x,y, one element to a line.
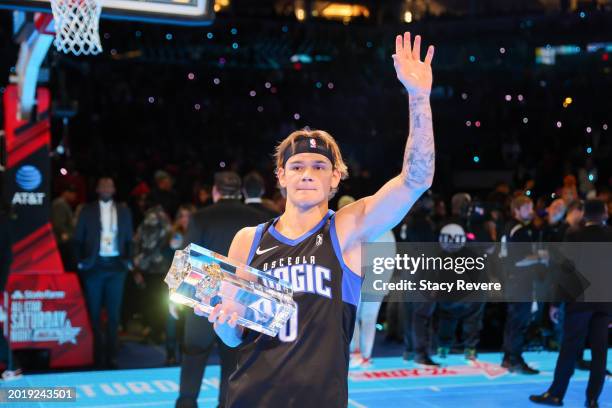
<point>308,179</point>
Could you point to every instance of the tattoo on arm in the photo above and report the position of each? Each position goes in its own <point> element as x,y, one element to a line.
<point>419,156</point>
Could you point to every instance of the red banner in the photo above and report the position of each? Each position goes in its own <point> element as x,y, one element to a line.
<point>47,311</point>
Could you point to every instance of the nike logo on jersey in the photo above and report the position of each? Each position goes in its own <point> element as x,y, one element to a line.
<point>263,251</point>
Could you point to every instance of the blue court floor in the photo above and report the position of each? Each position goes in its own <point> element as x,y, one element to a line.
<point>389,383</point>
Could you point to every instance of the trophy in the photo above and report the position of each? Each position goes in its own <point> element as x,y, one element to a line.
<point>202,277</point>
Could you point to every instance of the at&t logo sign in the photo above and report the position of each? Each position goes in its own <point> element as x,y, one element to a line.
<point>28,178</point>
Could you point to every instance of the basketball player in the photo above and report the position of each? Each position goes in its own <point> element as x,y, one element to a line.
<point>318,251</point>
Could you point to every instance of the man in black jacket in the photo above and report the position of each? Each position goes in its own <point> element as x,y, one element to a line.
<point>103,248</point>
<point>582,319</point>
<point>213,227</point>
<point>253,188</point>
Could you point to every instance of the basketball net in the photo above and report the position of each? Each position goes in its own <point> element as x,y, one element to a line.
<point>76,26</point>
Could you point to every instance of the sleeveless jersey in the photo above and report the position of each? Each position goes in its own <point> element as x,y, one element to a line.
<point>306,364</point>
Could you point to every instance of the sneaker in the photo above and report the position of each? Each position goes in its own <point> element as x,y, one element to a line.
<point>355,361</point>
<point>546,399</point>
<point>521,367</point>
<point>9,375</point>
<point>425,361</point>
<point>366,363</point>
<point>470,354</point>
<point>443,352</point>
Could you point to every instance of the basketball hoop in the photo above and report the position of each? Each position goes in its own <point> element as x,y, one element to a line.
<point>76,26</point>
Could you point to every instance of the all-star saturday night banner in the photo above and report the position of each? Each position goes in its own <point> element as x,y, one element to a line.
<point>42,306</point>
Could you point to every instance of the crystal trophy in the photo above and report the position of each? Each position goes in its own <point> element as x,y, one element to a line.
<point>202,277</point>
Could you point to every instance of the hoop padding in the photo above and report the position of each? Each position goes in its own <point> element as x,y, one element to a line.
<point>76,26</point>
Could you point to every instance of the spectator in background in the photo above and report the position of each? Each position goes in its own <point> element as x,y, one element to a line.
<point>253,188</point>
<point>164,194</point>
<point>583,319</point>
<point>202,196</point>
<point>152,259</point>
<point>62,221</point>
<point>103,248</point>
<point>367,311</point>
<point>213,227</point>
<point>177,241</point>
<point>574,214</point>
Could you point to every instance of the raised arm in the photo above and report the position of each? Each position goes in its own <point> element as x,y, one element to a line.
<point>369,217</point>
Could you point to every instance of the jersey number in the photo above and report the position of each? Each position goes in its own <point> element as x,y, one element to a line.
<point>288,333</point>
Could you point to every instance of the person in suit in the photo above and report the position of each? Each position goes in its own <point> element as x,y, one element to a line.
<point>582,320</point>
<point>212,227</point>
<point>253,188</point>
<point>103,248</point>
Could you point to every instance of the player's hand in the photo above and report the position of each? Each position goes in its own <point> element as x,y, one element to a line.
<point>413,73</point>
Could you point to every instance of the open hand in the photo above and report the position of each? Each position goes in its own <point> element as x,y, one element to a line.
<point>413,73</point>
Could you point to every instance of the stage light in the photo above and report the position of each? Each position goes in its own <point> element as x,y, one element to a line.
<point>605,126</point>
<point>468,123</point>
<point>502,50</point>
<point>222,164</point>
<point>197,106</point>
<point>190,76</point>
<point>151,99</point>
<point>319,85</point>
<point>260,109</point>
<point>525,120</point>
<point>588,129</point>
<point>520,98</point>
<point>476,159</point>
<point>63,171</point>
<point>553,195</point>
<point>296,116</point>
<point>559,124</point>
<point>216,81</point>
<point>589,150</point>
<point>528,193</point>
<point>168,36</point>
<point>300,14</point>
<point>210,36</point>
<point>591,177</point>
<point>234,31</point>
<point>582,14</point>
<point>235,46</point>
<point>268,85</point>
<point>464,96</point>
<point>472,58</point>
<point>477,123</point>
<point>60,149</point>
<point>407,17</point>
<point>252,94</point>
<point>508,98</point>
<point>330,85</point>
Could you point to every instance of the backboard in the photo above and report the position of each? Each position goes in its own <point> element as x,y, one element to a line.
<point>179,12</point>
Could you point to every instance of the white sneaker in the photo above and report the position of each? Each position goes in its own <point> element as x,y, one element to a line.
<point>9,375</point>
<point>355,361</point>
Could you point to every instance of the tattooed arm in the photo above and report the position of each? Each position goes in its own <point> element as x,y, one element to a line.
<point>366,219</point>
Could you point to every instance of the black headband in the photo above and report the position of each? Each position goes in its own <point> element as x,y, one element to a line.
<point>307,145</point>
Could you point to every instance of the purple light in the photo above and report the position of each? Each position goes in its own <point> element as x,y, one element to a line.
<point>197,106</point>
<point>296,116</point>
<point>268,85</point>
<point>63,171</point>
<point>559,124</point>
<point>508,98</point>
<point>252,94</point>
<point>216,81</point>
<point>468,123</point>
<point>191,76</point>
<point>588,129</point>
<point>330,85</point>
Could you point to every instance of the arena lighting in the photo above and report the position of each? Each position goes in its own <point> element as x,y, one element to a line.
<point>300,14</point>
<point>220,5</point>
<point>344,11</point>
<point>407,17</point>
